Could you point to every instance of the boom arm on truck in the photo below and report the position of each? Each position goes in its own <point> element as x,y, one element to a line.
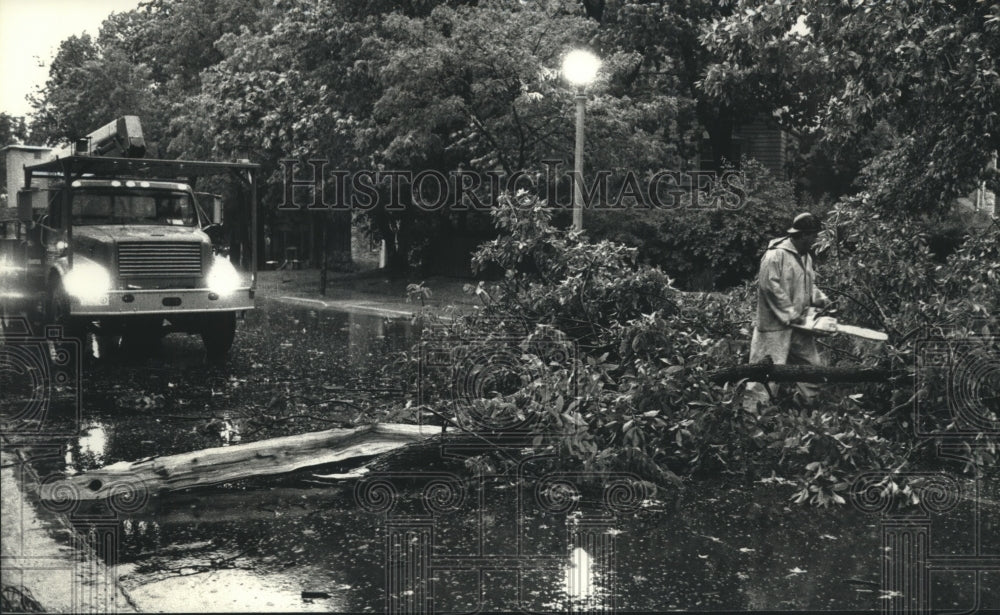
<point>120,138</point>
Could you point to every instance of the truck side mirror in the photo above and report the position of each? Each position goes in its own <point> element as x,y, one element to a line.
<point>215,233</point>
<point>211,206</point>
<point>217,210</point>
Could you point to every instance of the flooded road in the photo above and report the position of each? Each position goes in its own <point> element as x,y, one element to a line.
<point>292,369</point>
<point>423,531</point>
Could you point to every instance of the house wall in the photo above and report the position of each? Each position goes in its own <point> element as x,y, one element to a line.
<point>15,158</point>
<point>767,144</point>
<point>761,140</point>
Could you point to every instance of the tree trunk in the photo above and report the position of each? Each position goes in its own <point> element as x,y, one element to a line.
<point>229,505</point>
<point>325,263</point>
<point>138,479</point>
<point>766,372</point>
<point>338,239</point>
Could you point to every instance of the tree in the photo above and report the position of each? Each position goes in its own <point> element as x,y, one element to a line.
<point>479,88</point>
<point>442,88</point>
<point>88,86</point>
<point>926,72</point>
<point>298,85</point>
<point>13,129</point>
<point>663,35</point>
<point>145,62</point>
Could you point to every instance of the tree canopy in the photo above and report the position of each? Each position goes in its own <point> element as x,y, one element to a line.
<point>896,97</point>
<point>922,73</point>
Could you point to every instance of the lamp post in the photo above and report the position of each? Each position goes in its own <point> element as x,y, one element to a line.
<point>580,68</point>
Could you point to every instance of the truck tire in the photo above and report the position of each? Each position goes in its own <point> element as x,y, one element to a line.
<point>108,346</point>
<point>218,333</point>
<point>57,313</point>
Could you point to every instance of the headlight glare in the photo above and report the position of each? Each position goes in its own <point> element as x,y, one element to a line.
<point>88,282</point>
<point>223,278</point>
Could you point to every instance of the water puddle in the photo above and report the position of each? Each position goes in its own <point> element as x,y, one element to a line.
<point>293,369</point>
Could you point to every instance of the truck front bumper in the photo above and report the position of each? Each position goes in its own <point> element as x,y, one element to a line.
<point>163,302</point>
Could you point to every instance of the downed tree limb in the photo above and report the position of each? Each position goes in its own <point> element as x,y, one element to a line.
<point>127,485</point>
<point>228,505</point>
<point>768,372</point>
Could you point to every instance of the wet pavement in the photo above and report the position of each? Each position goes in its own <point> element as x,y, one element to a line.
<point>292,369</point>
<point>423,530</point>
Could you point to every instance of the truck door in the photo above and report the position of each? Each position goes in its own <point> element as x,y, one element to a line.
<point>53,229</point>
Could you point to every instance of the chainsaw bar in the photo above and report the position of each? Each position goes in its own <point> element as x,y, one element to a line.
<point>826,325</point>
<point>868,334</point>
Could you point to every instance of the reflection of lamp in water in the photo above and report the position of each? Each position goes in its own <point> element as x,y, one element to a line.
<point>91,446</point>
<point>93,443</point>
<point>579,577</point>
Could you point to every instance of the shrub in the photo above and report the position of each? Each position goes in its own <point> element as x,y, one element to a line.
<point>884,274</point>
<point>628,385</point>
<point>701,244</point>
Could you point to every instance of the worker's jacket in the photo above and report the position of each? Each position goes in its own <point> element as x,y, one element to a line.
<point>785,286</point>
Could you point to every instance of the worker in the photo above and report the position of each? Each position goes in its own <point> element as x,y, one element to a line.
<point>786,288</point>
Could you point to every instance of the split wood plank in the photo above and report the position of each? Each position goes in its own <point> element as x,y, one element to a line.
<point>127,484</point>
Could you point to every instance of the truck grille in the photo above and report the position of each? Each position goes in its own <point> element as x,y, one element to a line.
<point>162,259</point>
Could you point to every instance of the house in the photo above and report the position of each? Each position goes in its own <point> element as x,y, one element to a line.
<point>761,139</point>
<point>14,158</point>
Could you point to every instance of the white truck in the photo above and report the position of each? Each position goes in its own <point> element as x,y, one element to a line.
<point>111,243</point>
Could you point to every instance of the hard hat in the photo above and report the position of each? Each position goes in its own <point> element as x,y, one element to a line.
<point>805,223</point>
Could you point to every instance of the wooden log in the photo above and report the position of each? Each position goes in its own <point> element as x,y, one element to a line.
<point>227,505</point>
<point>128,484</point>
<point>768,372</point>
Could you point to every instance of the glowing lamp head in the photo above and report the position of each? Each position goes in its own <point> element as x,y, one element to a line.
<point>580,67</point>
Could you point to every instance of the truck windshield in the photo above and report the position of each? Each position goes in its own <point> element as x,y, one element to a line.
<point>154,207</point>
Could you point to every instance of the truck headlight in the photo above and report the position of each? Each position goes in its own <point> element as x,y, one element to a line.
<point>223,277</point>
<point>88,282</point>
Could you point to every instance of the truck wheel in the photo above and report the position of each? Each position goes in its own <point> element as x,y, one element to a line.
<point>217,333</point>
<point>57,313</point>
<point>108,345</point>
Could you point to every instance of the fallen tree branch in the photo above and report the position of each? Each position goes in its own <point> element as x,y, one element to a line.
<point>128,484</point>
<point>766,372</point>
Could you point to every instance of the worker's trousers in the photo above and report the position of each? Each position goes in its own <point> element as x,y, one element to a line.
<point>788,346</point>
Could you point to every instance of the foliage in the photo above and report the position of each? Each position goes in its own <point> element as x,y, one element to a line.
<point>89,85</point>
<point>480,87</point>
<point>927,70</point>
<point>605,363</point>
<point>12,129</point>
<point>439,85</point>
<point>885,276</point>
<point>663,35</point>
<point>146,62</point>
<point>714,240</point>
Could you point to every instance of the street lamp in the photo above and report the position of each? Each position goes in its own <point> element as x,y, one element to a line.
<point>580,68</point>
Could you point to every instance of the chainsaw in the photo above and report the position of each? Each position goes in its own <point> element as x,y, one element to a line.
<point>820,325</point>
